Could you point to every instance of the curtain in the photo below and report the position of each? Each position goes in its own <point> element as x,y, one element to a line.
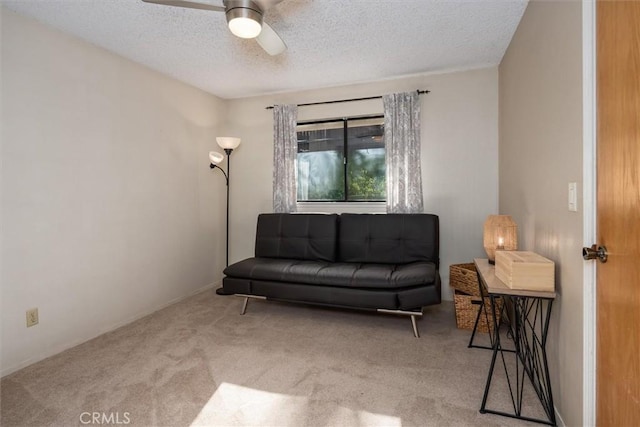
<point>402,142</point>
<point>285,153</point>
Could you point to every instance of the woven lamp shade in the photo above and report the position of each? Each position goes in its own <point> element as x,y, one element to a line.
<point>500,232</point>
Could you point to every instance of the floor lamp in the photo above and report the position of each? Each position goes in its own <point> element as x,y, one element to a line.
<point>228,144</point>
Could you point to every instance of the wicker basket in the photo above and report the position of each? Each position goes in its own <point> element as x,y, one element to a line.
<point>467,307</point>
<point>464,278</point>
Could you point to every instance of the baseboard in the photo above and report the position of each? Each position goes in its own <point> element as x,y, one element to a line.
<point>113,327</point>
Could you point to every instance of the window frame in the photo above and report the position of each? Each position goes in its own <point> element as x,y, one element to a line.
<point>345,161</point>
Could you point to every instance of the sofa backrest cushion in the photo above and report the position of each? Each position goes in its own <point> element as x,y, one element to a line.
<point>389,239</point>
<point>297,236</point>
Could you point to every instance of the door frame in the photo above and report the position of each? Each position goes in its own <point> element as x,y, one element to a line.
<point>589,184</point>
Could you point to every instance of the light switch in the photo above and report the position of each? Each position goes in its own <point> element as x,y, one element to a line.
<point>573,197</point>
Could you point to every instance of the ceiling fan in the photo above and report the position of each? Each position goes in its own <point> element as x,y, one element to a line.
<point>244,18</point>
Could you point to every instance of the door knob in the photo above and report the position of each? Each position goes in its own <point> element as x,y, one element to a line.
<point>595,252</point>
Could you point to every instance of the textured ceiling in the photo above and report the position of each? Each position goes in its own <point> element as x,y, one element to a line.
<point>330,42</point>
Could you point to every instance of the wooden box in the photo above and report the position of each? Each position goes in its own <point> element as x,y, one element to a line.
<point>525,270</point>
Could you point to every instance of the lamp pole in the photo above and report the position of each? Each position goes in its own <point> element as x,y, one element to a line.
<point>228,151</point>
<point>220,290</point>
<point>228,144</point>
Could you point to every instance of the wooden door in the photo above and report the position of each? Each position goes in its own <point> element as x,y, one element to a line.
<point>618,205</point>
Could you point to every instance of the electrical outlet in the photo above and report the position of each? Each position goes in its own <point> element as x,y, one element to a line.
<point>32,317</point>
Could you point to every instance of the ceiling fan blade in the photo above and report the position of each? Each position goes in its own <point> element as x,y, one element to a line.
<point>270,41</point>
<point>187,4</point>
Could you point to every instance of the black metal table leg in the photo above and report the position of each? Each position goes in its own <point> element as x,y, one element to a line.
<point>482,309</point>
<point>496,347</point>
<point>529,315</point>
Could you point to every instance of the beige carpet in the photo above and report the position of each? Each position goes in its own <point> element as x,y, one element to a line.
<point>199,362</point>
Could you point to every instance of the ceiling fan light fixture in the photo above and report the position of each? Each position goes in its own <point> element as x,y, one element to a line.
<point>244,22</point>
<point>244,19</point>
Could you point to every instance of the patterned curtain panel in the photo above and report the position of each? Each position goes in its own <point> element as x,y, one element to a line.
<point>285,152</point>
<point>402,142</point>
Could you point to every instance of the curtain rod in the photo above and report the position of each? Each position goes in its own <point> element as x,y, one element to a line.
<point>420,92</point>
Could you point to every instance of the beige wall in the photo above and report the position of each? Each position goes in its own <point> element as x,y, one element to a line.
<point>540,153</point>
<point>459,154</point>
<point>109,208</point>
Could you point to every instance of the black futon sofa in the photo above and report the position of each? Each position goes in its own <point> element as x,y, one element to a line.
<point>383,262</point>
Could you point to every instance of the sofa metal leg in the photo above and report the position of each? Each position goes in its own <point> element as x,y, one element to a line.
<point>246,300</point>
<point>415,327</point>
<point>411,313</point>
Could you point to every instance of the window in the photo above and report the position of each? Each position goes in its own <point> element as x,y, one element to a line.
<point>342,160</point>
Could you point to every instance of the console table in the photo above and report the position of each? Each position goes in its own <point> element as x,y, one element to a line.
<point>528,314</point>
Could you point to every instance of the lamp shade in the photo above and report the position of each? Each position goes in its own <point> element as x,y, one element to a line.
<point>228,142</point>
<point>500,233</point>
<point>215,157</point>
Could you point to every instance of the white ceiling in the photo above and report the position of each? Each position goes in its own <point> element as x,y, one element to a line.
<point>330,42</point>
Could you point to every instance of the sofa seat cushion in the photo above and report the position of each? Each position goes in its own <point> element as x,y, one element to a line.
<point>354,275</point>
